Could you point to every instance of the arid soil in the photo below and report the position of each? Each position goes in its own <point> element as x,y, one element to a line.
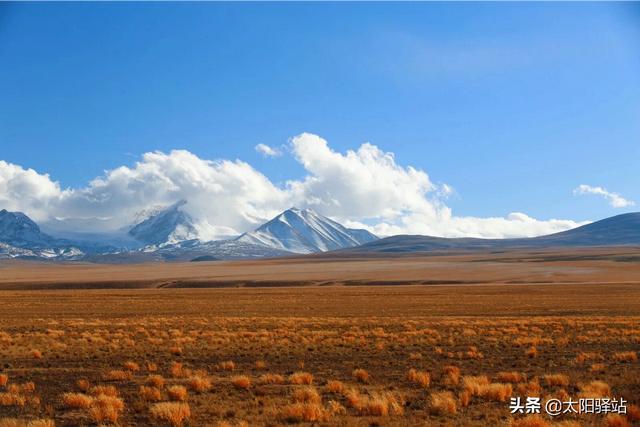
<point>589,265</point>
<point>428,354</point>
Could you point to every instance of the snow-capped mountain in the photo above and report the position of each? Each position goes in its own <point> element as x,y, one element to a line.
<point>17,229</point>
<point>305,231</point>
<point>166,226</point>
<point>20,237</point>
<point>219,249</point>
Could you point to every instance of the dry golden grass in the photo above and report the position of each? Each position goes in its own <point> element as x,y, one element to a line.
<point>442,402</point>
<point>241,381</point>
<point>306,394</point>
<point>626,356</point>
<point>118,375</point>
<point>531,352</point>
<point>28,387</point>
<point>131,366</point>
<point>511,377</point>
<point>360,375</point>
<point>336,408</point>
<point>4,379</point>
<point>76,400</point>
<point>149,394</point>
<point>12,399</point>
<point>496,391</point>
<point>156,381</point>
<point>174,413</point>
<point>303,412</point>
<point>176,370</point>
<point>301,378</point>
<point>106,390</point>
<point>83,385</point>
<point>271,379</point>
<point>474,384</point>
<point>228,365</point>
<point>106,409</point>
<point>423,379</point>
<point>334,386</point>
<point>477,361</point>
<point>177,393</point>
<point>465,398</point>
<point>15,422</point>
<point>556,380</point>
<point>595,389</point>
<point>200,384</point>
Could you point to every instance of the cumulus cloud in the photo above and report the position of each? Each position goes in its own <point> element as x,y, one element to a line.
<point>223,196</point>
<point>365,187</point>
<point>267,151</point>
<point>366,183</point>
<point>25,189</point>
<point>615,200</point>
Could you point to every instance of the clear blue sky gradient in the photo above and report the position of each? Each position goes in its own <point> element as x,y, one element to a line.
<point>512,104</point>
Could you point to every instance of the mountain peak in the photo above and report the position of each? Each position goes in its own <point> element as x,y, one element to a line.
<point>19,231</point>
<point>168,225</point>
<point>13,224</point>
<point>305,231</point>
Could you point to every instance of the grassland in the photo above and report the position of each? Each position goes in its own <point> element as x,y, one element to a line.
<point>449,354</point>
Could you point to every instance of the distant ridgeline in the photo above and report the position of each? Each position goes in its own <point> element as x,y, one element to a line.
<point>170,235</point>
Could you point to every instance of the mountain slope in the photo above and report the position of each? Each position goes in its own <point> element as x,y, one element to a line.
<point>620,230</point>
<point>20,237</point>
<point>18,230</point>
<point>165,226</point>
<point>304,231</point>
<point>189,250</point>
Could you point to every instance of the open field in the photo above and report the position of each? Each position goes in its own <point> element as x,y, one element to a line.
<point>332,355</point>
<point>588,265</point>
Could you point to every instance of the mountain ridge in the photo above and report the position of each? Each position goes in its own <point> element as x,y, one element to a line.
<point>305,231</point>
<point>619,230</point>
<point>168,225</point>
<point>292,232</point>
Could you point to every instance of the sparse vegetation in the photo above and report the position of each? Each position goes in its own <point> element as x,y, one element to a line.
<point>76,400</point>
<point>173,412</point>
<point>442,402</point>
<point>330,369</point>
<point>361,375</point>
<point>423,379</point>
<point>301,378</point>
<point>177,392</point>
<point>241,382</point>
<point>199,384</point>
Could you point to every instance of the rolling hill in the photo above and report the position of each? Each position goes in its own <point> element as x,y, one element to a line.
<point>620,230</point>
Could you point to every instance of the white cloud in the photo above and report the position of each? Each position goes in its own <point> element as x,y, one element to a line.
<point>25,189</point>
<point>222,195</point>
<point>364,187</point>
<point>267,151</point>
<point>615,200</point>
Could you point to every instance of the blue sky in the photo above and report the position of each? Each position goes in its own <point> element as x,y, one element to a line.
<point>513,105</point>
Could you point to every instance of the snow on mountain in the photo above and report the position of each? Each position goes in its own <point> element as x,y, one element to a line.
<point>188,250</point>
<point>305,231</point>
<point>165,226</point>
<point>20,237</point>
<point>17,229</point>
<point>220,249</point>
